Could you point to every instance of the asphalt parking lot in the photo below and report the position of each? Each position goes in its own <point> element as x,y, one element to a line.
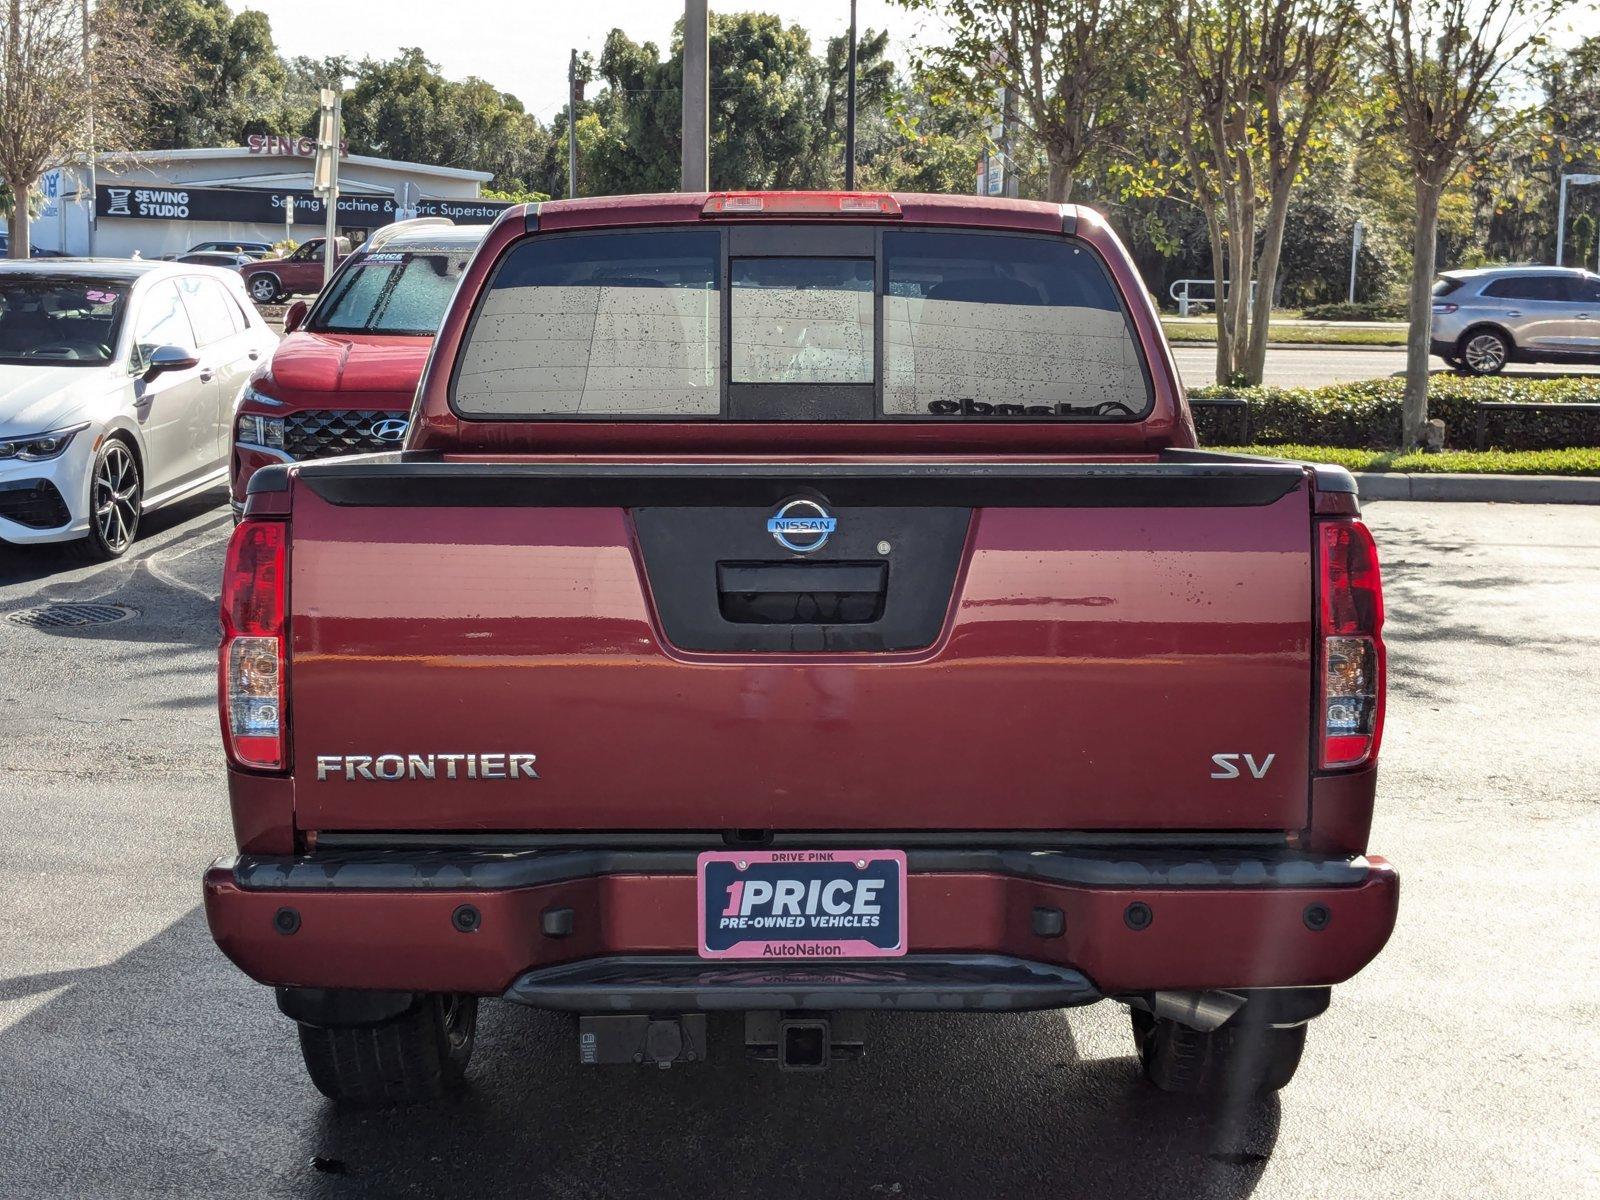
<point>134,1060</point>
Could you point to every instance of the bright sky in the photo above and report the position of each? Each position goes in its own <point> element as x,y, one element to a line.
<point>523,48</point>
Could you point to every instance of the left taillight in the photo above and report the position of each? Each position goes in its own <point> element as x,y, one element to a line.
<point>251,661</point>
<point>1350,625</point>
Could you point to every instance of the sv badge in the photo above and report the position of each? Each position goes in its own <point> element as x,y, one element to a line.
<point>1228,765</point>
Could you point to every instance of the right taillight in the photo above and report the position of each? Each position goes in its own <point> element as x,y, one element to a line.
<point>1350,625</point>
<point>251,660</point>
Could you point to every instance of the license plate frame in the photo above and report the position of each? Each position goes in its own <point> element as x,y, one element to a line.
<point>812,929</point>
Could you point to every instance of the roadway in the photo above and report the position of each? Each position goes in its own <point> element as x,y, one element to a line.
<point>137,1062</point>
<point>1314,366</point>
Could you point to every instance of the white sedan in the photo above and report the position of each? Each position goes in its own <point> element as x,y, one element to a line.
<point>117,387</point>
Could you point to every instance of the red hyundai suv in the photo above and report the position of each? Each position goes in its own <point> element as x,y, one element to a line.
<point>342,379</point>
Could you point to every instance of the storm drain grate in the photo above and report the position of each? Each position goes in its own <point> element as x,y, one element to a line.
<point>71,616</point>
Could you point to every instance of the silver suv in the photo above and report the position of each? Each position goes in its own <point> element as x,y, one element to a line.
<point>1486,318</point>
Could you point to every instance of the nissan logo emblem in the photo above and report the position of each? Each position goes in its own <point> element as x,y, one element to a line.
<point>391,430</point>
<point>801,526</point>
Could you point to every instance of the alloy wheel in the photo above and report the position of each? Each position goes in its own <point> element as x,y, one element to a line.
<point>116,497</point>
<point>1485,353</point>
<point>263,289</point>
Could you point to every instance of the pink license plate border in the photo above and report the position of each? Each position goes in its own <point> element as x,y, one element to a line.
<point>755,949</point>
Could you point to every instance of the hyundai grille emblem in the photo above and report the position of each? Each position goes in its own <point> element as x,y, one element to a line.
<point>801,526</point>
<point>391,430</point>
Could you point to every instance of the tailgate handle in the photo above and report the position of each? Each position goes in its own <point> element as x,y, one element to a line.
<point>790,593</point>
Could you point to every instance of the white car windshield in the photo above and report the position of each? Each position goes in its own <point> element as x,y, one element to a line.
<point>63,320</point>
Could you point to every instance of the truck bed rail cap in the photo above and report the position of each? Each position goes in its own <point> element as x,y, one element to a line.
<point>411,481</point>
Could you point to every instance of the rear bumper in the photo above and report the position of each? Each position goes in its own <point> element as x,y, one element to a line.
<point>543,921</point>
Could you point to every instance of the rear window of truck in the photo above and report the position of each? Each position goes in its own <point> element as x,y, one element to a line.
<point>768,324</point>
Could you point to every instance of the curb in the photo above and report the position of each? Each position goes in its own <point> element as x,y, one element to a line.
<point>1493,489</point>
<point>1299,345</point>
<point>1209,322</point>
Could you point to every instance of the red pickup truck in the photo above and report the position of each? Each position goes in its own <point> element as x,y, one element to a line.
<point>797,604</point>
<point>299,272</point>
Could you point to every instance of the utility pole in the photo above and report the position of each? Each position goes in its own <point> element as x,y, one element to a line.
<point>325,171</point>
<point>574,94</point>
<point>88,80</point>
<point>850,109</point>
<point>696,98</point>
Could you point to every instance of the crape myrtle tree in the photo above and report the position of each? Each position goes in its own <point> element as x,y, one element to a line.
<point>50,91</point>
<point>1067,64</point>
<point>1250,86</point>
<point>1443,66</point>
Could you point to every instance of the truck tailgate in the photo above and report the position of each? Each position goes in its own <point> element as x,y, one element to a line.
<point>994,646</point>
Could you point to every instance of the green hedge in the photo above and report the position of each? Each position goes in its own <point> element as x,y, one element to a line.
<point>1365,310</point>
<point>1366,415</point>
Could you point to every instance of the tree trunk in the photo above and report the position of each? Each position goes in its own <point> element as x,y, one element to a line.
<point>1237,305</point>
<point>1414,408</point>
<point>18,223</point>
<point>1255,362</point>
<point>1241,188</point>
<point>1218,270</point>
<point>1059,188</point>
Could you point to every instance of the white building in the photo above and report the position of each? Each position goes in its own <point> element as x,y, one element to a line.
<point>165,201</point>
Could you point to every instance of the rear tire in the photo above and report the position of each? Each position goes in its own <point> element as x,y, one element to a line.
<point>1485,352</point>
<point>1235,1060</point>
<point>264,288</point>
<point>410,1059</point>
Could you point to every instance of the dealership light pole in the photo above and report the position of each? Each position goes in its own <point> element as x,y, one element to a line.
<point>850,109</point>
<point>696,98</point>
<point>1561,211</point>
